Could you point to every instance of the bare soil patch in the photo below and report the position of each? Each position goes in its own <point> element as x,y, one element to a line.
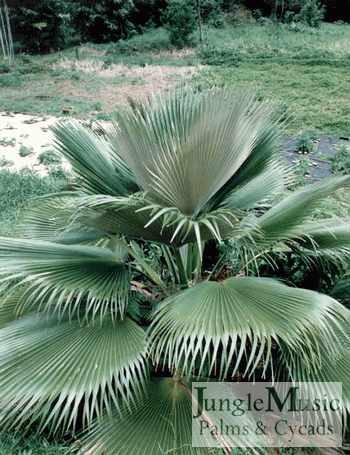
<point>140,81</point>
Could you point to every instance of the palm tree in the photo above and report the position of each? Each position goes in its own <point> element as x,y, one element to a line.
<point>151,195</point>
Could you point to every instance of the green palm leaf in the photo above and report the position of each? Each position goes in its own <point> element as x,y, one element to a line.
<point>284,220</point>
<point>99,169</point>
<point>52,219</point>
<point>329,234</point>
<point>160,423</point>
<point>225,322</point>
<point>54,371</point>
<point>331,370</point>
<point>72,278</point>
<point>137,217</point>
<point>186,147</point>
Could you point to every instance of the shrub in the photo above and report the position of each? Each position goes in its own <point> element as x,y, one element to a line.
<point>84,276</point>
<point>12,80</point>
<point>305,143</point>
<point>312,13</point>
<point>180,21</point>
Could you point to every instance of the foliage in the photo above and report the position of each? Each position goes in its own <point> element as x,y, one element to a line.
<point>312,13</point>
<point>25,151</point>
<point>101,22</point>
<point>218,56</point>
<point>40,26</point>
<point>305,145</point>
<point>306,141</point>
<point>341,158</point>
<point>302,169</point>
<point>180,20</point>
<point>12,443</point>
<point>12,80</point>
<point>49,157</point>
<point>108,299</point>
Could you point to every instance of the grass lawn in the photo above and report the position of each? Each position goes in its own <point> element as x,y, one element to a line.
<point>303,70</point>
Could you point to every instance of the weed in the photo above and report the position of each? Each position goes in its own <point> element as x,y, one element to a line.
<point>49,157</point>
<point>218,56</point>
<point>305,145</point>
<point>11,80</point>
<point>8,142</point>
<point>25,151</point>
<point>11,444</point>
<point>4,162</point>
<point>341,159</point>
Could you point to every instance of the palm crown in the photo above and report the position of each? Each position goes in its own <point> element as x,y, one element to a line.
<point>150,194</point>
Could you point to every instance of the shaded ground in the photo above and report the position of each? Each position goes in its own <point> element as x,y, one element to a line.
<point>320,160</point>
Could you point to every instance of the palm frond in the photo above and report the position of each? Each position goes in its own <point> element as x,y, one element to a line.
<point>333,369</point>
<point>225,322</point>
<point>54,371</point>
<point>257,191</point>
<point>326,234</point>
<point>99,169</point>
<point>139,218</point>
<point>185,147</point>
<point>50,219</point>
<point>68,277</point>
<point>260,162</point>
<point>284,220</point>
<point>160,423</point>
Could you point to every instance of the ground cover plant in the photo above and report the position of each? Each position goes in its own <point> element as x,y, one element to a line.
<point>131,241</point>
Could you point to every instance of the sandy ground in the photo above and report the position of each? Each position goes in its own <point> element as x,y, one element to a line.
<point>17,130</point>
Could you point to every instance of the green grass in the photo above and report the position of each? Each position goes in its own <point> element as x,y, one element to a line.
<point>14,444</point>
<point>307,71</point>
<point>17,190</point>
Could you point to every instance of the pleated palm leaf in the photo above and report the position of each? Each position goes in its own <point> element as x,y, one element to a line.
<point>127,243</point>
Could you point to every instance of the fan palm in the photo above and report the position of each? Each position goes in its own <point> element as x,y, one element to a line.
<point>126,243</point>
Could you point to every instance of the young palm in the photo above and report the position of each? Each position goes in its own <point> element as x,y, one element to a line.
<point>149,196</point>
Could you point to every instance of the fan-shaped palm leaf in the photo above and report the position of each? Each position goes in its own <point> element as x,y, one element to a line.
<point>161,423</point>
<point>334,369</point>
<point>76,276</point>
<point>182,156</point>
<point>52,219</point>
<point>54,371</point>
<point>222,322</point>
<point>285,219</point>
<point>329,234</point>
<point>99,169</point>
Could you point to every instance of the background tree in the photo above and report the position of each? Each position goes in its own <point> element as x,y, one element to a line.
<point>40,26</point>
